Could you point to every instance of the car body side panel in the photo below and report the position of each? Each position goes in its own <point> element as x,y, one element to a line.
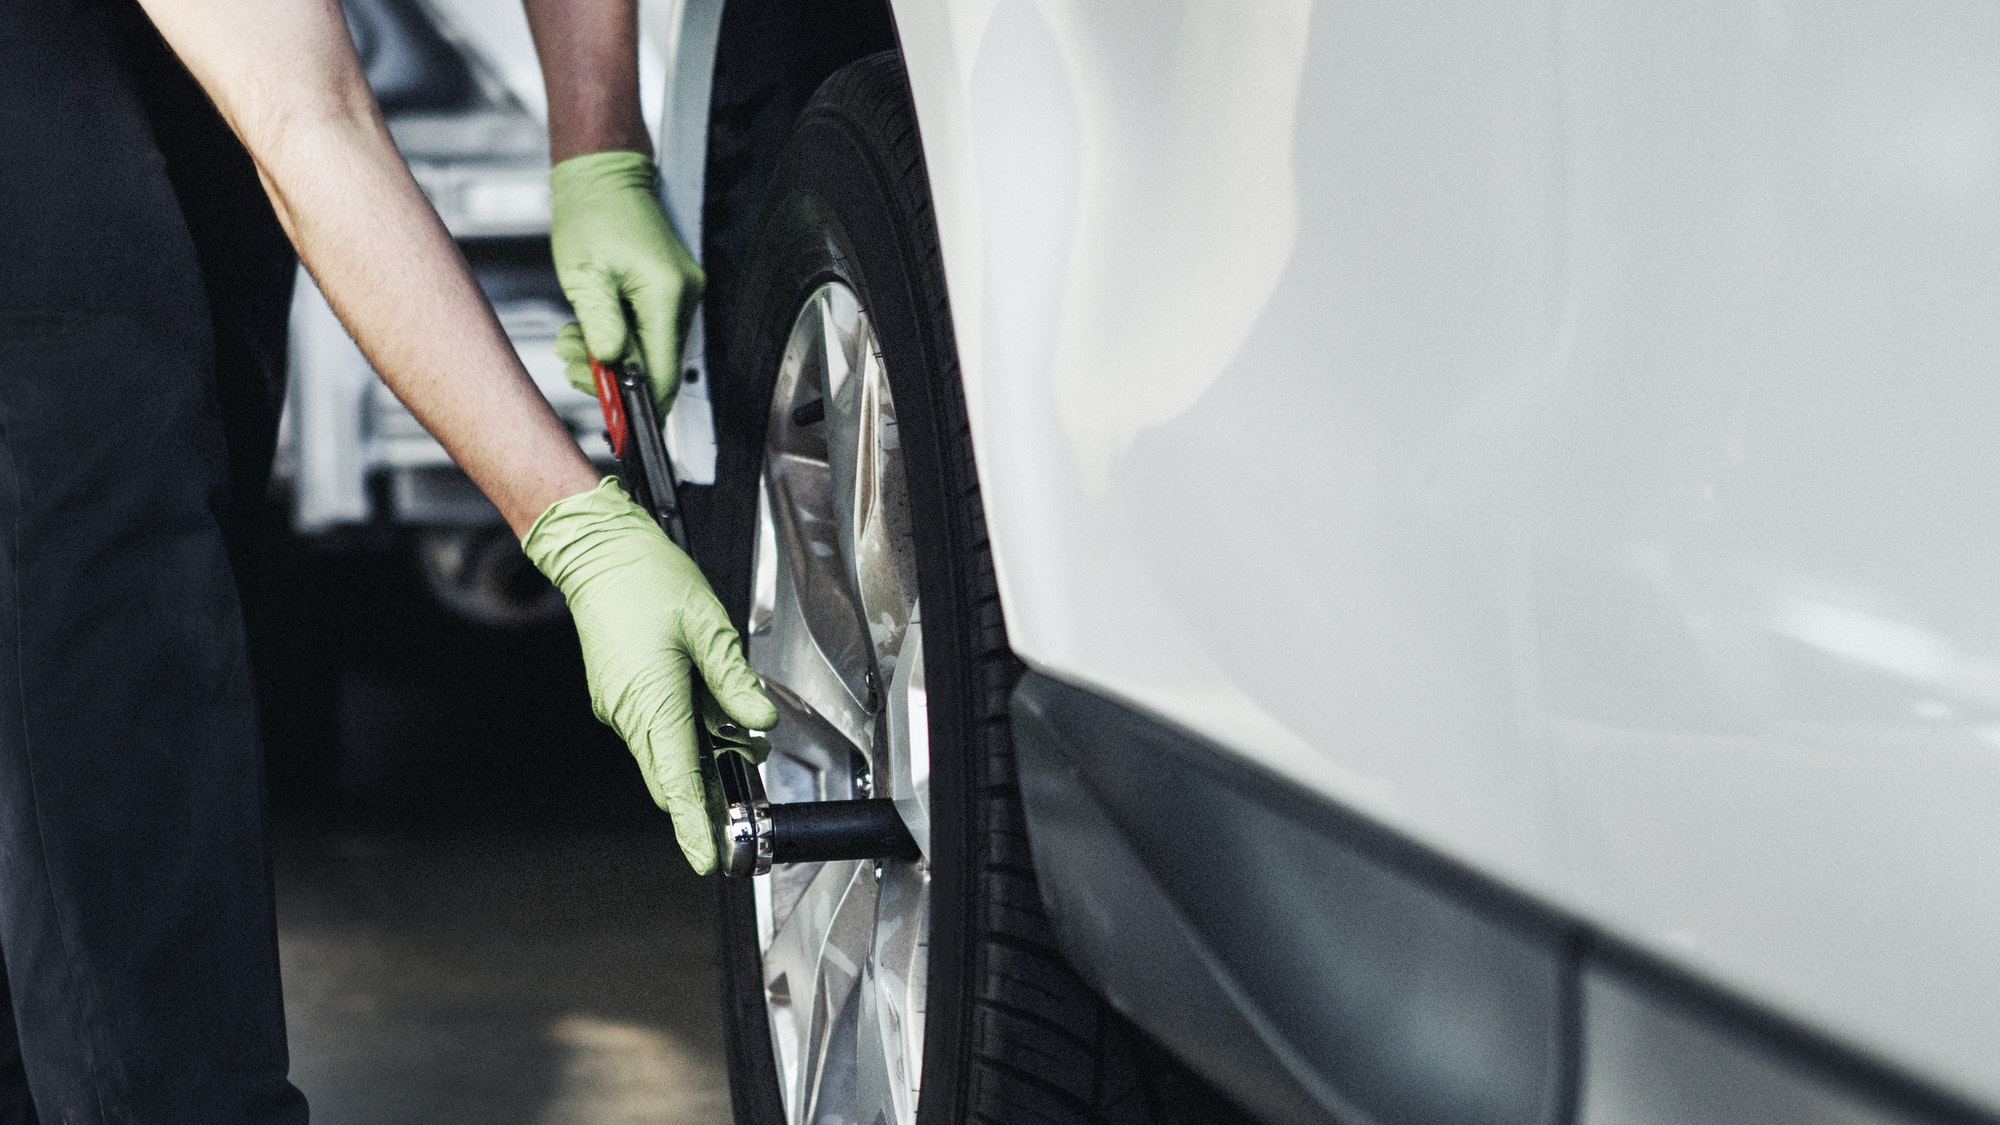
<point>1158,310</point>
<point>1557,431</point>
<point>1226,483</point>
<point>1765,501</point>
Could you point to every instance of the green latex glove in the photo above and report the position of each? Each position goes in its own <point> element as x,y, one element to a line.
<point>647,618</point>
<point>614,251</point>
<point>576,360</point>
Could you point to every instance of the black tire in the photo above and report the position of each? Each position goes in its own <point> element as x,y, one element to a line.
<point>1012,1035</point>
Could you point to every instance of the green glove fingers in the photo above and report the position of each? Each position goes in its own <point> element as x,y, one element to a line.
<point>571,349</point>
<point>661,739</point>
<point>600,314</point>
<point>726,734</point>
<point>646,618</point>
<point>711,640</point>
<point>616,254</point>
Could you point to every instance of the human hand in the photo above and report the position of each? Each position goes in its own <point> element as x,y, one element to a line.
<point>647,620</point>
<point>616,251</point>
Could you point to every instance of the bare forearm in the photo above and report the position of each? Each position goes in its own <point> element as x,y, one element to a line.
<point>285,76</point>
<point>398,282</point>
<point>590,64</point>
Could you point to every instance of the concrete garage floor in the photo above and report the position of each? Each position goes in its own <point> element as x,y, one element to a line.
<point>482,919</point>
<point>499,979</point>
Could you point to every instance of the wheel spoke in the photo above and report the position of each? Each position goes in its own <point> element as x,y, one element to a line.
<point>813,643</point>
<point>804,471</point>
<point>890,1036</point>
<point>845,440</point>
<point>884,551</point>
<point>792,983</point>
<point>864,452</point>
<point>836,632</point>
<point>791,649</point>
<point>908,770</point>
<point>812,971</point>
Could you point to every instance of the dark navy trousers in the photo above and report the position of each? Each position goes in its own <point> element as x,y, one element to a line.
<point>136,923</point>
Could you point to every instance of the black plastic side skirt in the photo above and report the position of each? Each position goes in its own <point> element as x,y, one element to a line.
<point>1283,956</point>
<point>1319,968</point>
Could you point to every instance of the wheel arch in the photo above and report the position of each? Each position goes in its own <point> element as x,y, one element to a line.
<point>768,59</point>
<point>739,74</point>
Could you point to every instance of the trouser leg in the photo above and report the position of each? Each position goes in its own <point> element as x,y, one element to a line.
<point>17,1105</point>
<point>247,269</point>
<point>247,263</point>
<point>135,903</point>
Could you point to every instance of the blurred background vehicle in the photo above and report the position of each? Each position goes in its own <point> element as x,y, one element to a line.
<point>462,93</point>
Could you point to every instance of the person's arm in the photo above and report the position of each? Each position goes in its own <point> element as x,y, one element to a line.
<point>621,263</point>
<point>590,66</point>
<point>285,76</point>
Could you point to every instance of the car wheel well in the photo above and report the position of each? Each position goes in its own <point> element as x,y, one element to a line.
<point>770,58</point>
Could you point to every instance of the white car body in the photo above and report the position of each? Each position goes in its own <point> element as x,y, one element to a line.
<point>1561,433</point>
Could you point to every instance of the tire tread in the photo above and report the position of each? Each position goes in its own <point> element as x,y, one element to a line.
<point>1033,1018</point>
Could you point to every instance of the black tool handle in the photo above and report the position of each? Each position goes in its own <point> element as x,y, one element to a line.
<point>813,831</point>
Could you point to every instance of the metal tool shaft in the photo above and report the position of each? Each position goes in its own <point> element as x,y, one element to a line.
<point>756,832</point>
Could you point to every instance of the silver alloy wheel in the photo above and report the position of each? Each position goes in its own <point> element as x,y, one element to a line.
<point>835,630</point>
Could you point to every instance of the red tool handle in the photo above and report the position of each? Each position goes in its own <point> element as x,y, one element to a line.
<point>615,427</point>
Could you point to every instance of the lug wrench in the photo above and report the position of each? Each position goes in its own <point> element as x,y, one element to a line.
<point>755,833</point>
